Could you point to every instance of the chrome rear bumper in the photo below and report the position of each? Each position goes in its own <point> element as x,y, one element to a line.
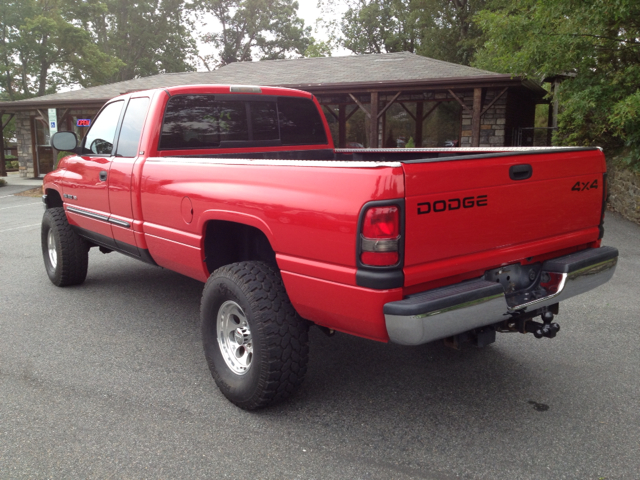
<point>447,311</point>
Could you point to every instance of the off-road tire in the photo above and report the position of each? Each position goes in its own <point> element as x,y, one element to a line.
<point>71,250</point>
<point>279,337</point>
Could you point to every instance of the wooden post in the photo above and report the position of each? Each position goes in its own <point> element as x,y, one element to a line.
<point>419,119</point>
<point>342,126</point>
<point>556,87</point>
<point>373,135</point>
<point>549,123</point>
<point>475,120</point>
<point>3,167</point>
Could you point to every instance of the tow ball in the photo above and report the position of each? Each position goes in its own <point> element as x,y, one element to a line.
<point>525,323</point>
<point>545,329</point>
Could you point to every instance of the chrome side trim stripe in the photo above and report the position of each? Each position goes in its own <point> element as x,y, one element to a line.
<point>120,223</point>
<point>97,216</point>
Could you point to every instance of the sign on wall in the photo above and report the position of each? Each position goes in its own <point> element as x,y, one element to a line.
<point>83,122</point>
<point>53,122</point>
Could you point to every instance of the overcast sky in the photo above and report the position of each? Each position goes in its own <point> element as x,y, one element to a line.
<point>307,10</point>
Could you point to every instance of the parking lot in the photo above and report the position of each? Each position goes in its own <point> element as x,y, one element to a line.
<point>108,380</point>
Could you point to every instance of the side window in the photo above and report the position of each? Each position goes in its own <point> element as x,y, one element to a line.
<point>132,127</point>
<point>300,122</point>
<point>100,138</point>
<point>199,121</point>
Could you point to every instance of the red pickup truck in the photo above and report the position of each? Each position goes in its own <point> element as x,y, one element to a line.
<point>240,187</point>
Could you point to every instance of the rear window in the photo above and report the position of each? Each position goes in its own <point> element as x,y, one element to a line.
<point>213,121</point>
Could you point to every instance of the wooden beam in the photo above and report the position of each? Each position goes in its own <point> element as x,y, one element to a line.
<point>3,167</point>
<point>362,107</point>
<point>44,119</point>
<point>330,110</point>
<point>409,111</point>
<point>342,126</point>
<point>554,118</point>
<point>374,117</point>
<point>418,120</point>
<point>431,110</point>
<point>11,115</point>
<point>484,110</point>
<point>62,117</point>
<point>389,104</point>
<point>460,102</point>
<point>349,115</point>
<point>475,120</point>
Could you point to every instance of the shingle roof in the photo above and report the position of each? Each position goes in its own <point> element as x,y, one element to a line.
<point>382,68</point>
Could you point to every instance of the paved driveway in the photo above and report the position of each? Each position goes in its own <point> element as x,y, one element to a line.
<point>108,380</point>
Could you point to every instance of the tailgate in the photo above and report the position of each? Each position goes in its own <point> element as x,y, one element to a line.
<point>471,214</point>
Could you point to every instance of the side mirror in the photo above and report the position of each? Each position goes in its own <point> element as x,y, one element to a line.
<point>64,141</point>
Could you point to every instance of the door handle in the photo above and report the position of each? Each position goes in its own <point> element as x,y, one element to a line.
<point>520,172</point>
<point>103,176</point>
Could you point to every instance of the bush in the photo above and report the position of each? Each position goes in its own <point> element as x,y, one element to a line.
<point>3,182</point>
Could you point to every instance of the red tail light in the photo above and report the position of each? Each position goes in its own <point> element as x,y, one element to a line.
<point>380,236</point>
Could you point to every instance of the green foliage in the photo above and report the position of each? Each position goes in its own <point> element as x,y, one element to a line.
<point>3,182</point>
<point>265,29</point>
<point>411,143</point>
<point>318,49</point>
<point>148,36</point>
<point>442,29</point>
<point>42,48</point>
<point>48,44</point>
<point>594,44</point>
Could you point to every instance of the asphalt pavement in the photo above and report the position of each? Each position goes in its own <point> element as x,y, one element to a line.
<point>108,380</point>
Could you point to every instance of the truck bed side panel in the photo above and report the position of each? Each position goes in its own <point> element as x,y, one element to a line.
<point>308,213</point>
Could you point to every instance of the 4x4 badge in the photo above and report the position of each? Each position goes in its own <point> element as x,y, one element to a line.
<point>583,186</point>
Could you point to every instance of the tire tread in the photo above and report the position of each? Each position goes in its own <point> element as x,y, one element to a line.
<point>286,332</point>
<point>73,260</point>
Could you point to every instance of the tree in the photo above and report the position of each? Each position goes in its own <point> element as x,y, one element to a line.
<point>595,43</point>
<point>318,49</point>
<point>449,31</point>
<point>148,36</point>
<point>41,49</point>
<point>266,29</point>
<point>442,29</point>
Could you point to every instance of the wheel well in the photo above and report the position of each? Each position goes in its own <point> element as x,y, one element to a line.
<point>230,242</point>
<point>53,198</point>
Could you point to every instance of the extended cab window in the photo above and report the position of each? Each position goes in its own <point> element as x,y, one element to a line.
<point>132,127</point>
<point>201,121</point>
<point>300,123</point>
<point>210,121</point>
<point>100,138</point>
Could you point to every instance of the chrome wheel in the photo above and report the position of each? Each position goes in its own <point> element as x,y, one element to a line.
<point>234,337</point>
<point>51,247</point>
